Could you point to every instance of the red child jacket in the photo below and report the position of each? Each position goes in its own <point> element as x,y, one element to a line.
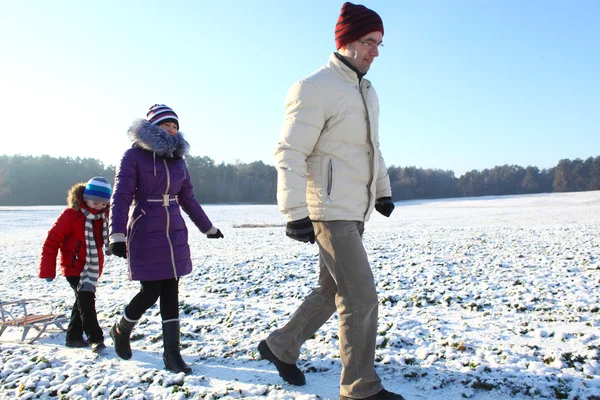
<point>68,235</point>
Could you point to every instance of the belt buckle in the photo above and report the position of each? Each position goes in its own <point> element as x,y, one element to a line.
<point>165,200</point>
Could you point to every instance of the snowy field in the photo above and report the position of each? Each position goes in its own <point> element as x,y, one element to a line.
<point>487,298</point>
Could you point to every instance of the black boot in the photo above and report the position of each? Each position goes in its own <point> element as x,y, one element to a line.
<point>289,372</point>
<point>121,334</point>
<point>171,355</point>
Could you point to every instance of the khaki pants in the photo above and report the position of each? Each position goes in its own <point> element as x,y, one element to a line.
<point>345,284</point>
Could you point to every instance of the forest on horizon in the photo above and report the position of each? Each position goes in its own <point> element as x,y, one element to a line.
<point>44,180</point>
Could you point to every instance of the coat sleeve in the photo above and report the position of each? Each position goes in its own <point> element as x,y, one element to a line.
<point>123,193</point>
<point>383,188</point>
<point>56,236</point>
<point>190,206</point>
<point>304,120</point>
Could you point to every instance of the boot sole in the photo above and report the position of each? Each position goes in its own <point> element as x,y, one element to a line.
<point>168,366</point>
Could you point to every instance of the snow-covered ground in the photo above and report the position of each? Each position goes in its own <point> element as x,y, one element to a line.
<point>481,298</point>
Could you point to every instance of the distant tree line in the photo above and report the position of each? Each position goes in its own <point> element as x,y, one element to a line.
<point>567,176</point>
<point>44,180</point>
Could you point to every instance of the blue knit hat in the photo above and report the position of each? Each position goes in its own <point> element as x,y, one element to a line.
<point>97,189</point>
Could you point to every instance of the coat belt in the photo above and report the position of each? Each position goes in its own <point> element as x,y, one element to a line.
<point>164,200</point>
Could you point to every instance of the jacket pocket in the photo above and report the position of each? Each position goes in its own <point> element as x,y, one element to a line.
<point>76,254</point>
<point>329,180</point>
<point>134,226</point>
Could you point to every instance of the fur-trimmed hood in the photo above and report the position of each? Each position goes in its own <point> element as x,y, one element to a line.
<point>152,138</point>
<point>75,196</point>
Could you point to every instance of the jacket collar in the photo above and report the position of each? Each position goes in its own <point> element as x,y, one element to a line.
<point>349,65</point>
<point>150,137</point>
<point>344,69</point>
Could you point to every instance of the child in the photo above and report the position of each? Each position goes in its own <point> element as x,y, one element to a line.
<point>80,233</point>
<point>153,176</point>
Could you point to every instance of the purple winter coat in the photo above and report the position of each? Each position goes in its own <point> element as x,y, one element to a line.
<point>154,178</point>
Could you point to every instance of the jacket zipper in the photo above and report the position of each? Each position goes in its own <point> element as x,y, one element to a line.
<point>329,180</point>
<point>372,149</point>
<point>168,228</point>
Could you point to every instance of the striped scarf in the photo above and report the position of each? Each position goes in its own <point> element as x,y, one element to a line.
<point>91,270</point>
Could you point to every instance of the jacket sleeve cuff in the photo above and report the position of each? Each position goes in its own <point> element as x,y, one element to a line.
<point>117,237</point>
<point>383,192</point>
<point>297,214</point>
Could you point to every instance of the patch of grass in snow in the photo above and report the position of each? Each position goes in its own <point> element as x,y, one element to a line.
<point>189,308</point>
<point>484,384</point>
<point>156,339</point>
<point>183,390</point>
<point>383,344</point>
<point>562,390</point>
<point>136,336</point>
<point>314,368</point>
<point>40,360</point>
<point>574,361</point>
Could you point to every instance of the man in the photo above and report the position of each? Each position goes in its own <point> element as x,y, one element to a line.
<point>330,177</point>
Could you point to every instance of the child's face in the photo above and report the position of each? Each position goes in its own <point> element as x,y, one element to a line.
<point>169,127</point>
<point>95,205</point>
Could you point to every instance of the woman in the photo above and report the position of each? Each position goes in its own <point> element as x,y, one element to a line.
<point>153,176</point>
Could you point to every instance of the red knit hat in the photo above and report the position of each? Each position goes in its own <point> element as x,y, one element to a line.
<point>354,22</point>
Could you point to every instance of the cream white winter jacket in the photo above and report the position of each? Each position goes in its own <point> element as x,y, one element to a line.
<point>329,165</point>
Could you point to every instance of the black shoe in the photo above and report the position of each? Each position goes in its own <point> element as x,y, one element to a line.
<point>383,395</point>
<point>98,347</point>
<point>289,372</point>
<point>76,343</point>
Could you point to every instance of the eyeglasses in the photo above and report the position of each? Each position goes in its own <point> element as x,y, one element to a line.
<point>371,44</point>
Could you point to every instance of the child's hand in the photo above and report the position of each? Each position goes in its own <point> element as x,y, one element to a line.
<point>49,280</point>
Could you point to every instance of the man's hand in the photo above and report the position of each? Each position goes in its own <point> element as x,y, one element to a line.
<point>384,206</point>
<point>301,230</point>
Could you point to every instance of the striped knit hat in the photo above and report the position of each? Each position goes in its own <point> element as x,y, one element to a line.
<point>97,189</point>
<point>354,22</point>
<point>159,113</point>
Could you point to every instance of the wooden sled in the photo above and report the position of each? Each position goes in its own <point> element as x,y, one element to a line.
<point>14,314</point>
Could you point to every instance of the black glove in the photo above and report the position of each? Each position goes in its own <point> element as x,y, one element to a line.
<point>384,206</point>
<point>301,230</point>
<point>118,249</point>
<point>215,235</point>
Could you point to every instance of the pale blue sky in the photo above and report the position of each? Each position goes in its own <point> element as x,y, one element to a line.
<point>462,84</point>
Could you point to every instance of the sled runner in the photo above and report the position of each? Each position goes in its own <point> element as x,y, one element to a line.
<point>14,314</point>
